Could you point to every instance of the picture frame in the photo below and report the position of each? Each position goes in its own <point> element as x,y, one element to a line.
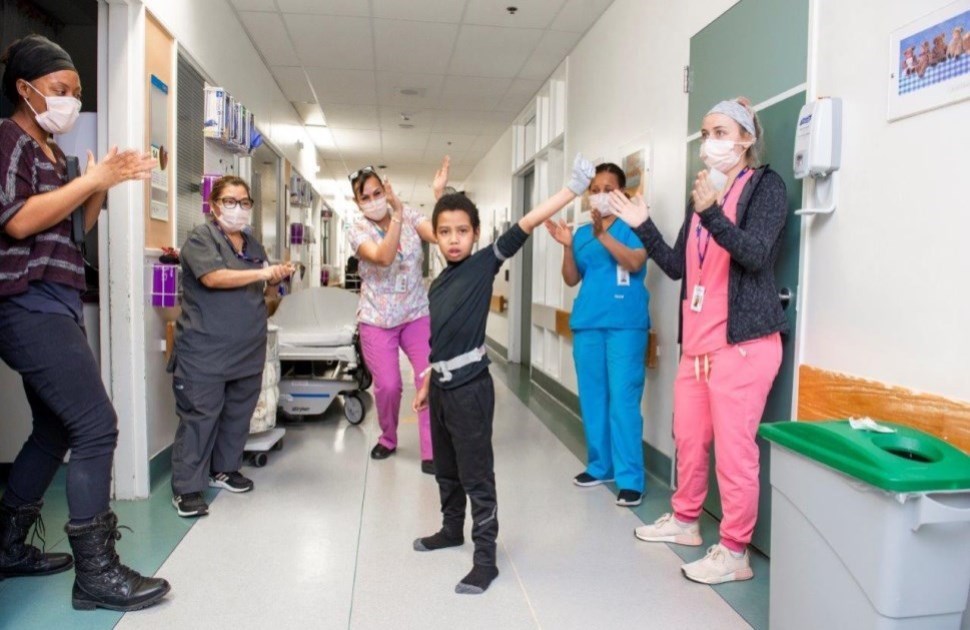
<point>929,62</point>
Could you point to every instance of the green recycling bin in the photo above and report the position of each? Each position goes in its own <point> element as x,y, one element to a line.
<point>869,529</point>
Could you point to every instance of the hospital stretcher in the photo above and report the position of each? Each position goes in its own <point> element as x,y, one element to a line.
<point>319,352</point>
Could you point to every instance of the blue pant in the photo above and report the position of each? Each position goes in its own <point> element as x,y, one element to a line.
<point>610,370</point>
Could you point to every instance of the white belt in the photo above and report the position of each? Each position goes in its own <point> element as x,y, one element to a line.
<point>445,368</point>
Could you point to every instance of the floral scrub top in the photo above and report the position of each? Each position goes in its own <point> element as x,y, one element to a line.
<point>393,295</point>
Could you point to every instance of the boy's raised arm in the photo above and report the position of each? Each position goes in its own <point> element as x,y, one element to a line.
<point>579,180</point>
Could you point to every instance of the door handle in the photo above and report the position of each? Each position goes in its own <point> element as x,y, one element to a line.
<point>785,295</point>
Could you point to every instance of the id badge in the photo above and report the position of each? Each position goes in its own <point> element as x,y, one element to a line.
<point>697,301</point>
<point>622,277</point>
<point>401,283</point>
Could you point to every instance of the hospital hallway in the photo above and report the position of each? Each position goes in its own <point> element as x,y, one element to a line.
<point>325,539</point>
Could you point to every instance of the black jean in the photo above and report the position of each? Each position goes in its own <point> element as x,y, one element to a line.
<point>71,410</point>
<point>461,436</point>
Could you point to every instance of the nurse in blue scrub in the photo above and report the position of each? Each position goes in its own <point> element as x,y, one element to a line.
<point>609,323</point>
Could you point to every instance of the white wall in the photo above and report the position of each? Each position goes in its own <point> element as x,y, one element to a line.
<point>887,296</point>
<point>212,35</point>
<point>490,186</point>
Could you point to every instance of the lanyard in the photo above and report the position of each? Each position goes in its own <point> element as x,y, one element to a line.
<point>702,253</point>
<point>240,255</point>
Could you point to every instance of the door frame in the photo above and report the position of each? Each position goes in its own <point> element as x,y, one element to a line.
<point>520,308</point>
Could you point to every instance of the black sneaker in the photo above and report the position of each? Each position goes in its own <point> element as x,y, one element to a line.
<point>629,498</point>
<point>586,480</point>
<point>427,466</point>
<point>191,504</point>
<point>231,481</point>
<point>381,452</point>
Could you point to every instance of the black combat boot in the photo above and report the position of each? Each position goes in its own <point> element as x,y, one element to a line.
<point>101,581</point>
<point>17,557</point>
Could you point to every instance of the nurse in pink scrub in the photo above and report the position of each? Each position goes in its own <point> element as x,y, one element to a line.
<point>393,312</point>
<point>731,320</point>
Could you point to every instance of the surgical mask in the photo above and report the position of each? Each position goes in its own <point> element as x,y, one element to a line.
<point>62,112</point>
<point>601,203</point>
<point>375,210</point>
<point>720,154</point>
<point>233,219</point>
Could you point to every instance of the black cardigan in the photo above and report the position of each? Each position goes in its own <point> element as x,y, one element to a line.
<point>754,309</point>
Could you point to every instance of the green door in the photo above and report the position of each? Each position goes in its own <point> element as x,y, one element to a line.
<point>758,49</point>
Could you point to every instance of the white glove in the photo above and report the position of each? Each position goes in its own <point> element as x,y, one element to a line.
<point>582,175</point>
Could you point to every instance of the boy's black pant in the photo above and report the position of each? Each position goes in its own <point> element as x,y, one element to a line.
<point>461,435</point>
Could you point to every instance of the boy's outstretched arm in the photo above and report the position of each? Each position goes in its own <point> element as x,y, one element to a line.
<point>582,174</point>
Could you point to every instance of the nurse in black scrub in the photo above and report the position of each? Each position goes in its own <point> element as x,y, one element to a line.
<point>220,347</point>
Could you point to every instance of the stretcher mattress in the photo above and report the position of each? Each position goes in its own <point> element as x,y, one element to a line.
<point>320,319</point>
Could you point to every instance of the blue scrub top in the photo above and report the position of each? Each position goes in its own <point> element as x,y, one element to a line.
<point>603,301</point>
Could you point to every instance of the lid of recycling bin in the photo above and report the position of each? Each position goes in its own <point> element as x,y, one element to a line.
<point>908,460</point>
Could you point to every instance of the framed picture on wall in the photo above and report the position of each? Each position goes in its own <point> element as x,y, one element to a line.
<point>929,61</point>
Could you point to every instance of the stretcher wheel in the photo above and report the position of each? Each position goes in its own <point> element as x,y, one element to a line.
<point>259,459</point>
<point>353,408</point>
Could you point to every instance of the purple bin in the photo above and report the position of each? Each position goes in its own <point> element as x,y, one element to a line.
<point>206,190</point>
<point>164,285</point>
<point>296,233</point>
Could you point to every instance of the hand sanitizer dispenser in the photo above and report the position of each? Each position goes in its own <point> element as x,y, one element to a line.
<point>818,151</point>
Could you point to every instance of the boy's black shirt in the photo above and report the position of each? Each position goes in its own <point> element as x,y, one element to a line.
<point>460,297</point>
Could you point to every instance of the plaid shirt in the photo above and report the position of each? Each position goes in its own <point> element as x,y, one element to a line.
<point>49,256</point>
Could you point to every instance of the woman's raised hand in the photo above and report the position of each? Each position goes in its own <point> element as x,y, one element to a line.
<point>560,231</point>
<point>704,194</point>
<point>634,212</point>
<point>392,198</point>
<point>441,177</point>
<point>119,166</point>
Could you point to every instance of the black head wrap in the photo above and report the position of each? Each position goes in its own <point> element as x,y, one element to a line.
<point>30,58</point>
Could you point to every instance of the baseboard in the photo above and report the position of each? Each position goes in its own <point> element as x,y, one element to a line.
<point>655,462</point>
<point>497,347</point>
<point>160,466</point>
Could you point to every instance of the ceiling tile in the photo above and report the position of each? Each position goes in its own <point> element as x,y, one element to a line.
<point>351,116</point>
<point>478,93</point>
<point>266,29</point>
<point>458,121</point>
<point>325,7</point>
<point>488,51</point>
<point>400,140</point>
<point>332,42</point>
<point>419,47</point>
<point>339,87</point>
<point>531,14</point>
<point>422,119</point>
<point>350,140</point>
<point>421,10</point>
<point>578,15</point>
<point>552,49</point>
<point>254,5</point>
<point>427,86</point>
<point>293,82</point>
<point>438,144</point>
<point>520,93</point>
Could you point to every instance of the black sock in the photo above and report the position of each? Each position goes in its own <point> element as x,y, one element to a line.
<point>478,580</point>
<point>440,540</point>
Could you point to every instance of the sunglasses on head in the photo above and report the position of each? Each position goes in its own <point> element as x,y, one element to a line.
<point>353,177</point>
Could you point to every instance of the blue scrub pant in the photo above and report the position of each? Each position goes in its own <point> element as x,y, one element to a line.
<point>610,370</point>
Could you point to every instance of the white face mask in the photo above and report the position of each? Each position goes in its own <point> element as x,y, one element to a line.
<point>62,112</point>
<point>601,203</point>
<point>233,219</point>
<point>720,154</point>
<point>375,210</point>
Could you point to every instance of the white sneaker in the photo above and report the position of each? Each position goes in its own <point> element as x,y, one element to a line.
<point>719,566</point>
<point>666,529</point>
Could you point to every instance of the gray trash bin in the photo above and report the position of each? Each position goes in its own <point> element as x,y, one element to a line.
<point>869,530</point>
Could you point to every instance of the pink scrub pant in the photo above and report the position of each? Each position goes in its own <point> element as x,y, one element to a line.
<point>381,347</point>
<point>720,397</point>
